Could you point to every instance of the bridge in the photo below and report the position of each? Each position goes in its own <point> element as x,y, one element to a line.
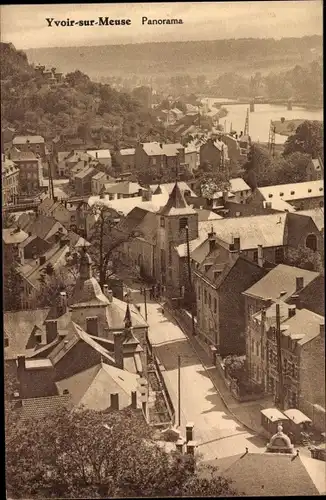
<point>32,205</point>
<point>260,100</point>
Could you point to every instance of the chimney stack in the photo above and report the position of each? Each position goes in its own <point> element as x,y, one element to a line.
<point>42,260</point>
<point>212,240</point>
<point>236,244</point>
<point>299,283</point>
<point>296,300</point>
<point>92,325</point>
<point>180,445</point>
<point>63,303</point>
<point>260,260</point>
<point>134,400</point>
<point>118,349</point>
<point>21,364</point>
<point>292,311</point>
<point>322,330</point>
<point>114,401</point>
<point>189,431</point>
<point>51,329</point>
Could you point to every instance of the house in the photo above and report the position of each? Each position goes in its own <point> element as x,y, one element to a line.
<point>267,236</point>
<point>10,181</point>
<point>215,153</point>
<point>29,167</point>
<point>43,226</point>
<point>83,181</point>
<point>67,160</point>
<point>102,156</point>
<point>154,156</point>
<point>126,189</point>
<point>219,282</point>
<point>126,159</point>
<point>280,473</point>
<point>315,170</point>
<point>238,147</point>
<point>98,182</point>
<point>283,283</point>
<point>124,205</point>
<point>30,143</point>
<point>303,360</point>
<point>301,195</point>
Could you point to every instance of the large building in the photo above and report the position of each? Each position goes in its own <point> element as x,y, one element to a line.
<point>30,171</point>
<point>10,181</point>
<point>30,143</point>
<point>158,157</point>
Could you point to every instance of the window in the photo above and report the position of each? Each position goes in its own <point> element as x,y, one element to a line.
<point>205,297</point>
<point>292,192</point>
<point>270,196</point>
<point>199,292</point>
<point>183,222</point>
<point>73,218</point>
<point>311,242</point>
<point>309,190</point>
<point>257,348</point>
<point>252,345</point>
<point>162,222</point>
<point>209,300</point>
<point>321,204</point>
<point>215,305</point>
<point>321,189</point>
<point>170,253</point>
<point>279,255</point>
<point>281,194</point>
<point>154,161</point>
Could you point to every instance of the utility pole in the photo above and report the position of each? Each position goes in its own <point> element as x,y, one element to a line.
<point>190,282</point>
<point>179,391</point>
<point>51,188</point>
<point>280,394</point>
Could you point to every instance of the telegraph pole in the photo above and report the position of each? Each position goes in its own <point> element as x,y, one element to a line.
<point>179,391</point>
<point>280,394</point>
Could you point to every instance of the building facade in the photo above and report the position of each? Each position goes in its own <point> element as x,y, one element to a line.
<point>10,181</point>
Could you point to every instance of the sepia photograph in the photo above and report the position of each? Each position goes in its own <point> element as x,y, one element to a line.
<point>163,249</point>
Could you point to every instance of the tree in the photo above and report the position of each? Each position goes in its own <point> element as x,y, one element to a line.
<point>107,237</point>
<point>308,139</point>
<point>235,366</point>
<point>92,454</point>
<point>210,181</point>
<point>305,258</point>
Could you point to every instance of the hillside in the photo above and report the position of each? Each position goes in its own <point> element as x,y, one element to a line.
<point>206,57</point>
<point>74,106</point>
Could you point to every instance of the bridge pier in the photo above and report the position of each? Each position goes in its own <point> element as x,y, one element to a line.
<point>252,106</point>
<point>289,106</point>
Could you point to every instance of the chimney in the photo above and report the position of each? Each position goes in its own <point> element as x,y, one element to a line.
<point>96,155</point>
<point>42,260</point>
<point>189,431</point>
<point>236,244</point>
<point>180,445</point>
<point>63,303</point>
<point>51,329</point>
<point>114,401</point>
<point>268,204</point>
<point>260,260</point>
<point>212,240</point>
<point>92,325</point>
<point>296,300</point>
<point>20,364</point>
<point>292,311</point>
<point>322,330</point>
<point>146,195</point>
<point>191,445</point>
<point>299,283</point>
<point>118,349</point>
<point>134,400</point>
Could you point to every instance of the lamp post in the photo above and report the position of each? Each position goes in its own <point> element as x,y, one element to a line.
<point>144,291</point>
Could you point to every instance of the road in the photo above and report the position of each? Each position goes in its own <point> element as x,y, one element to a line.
<point>216,432</point>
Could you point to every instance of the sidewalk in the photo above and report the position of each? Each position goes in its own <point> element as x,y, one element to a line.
<point>247,413</point>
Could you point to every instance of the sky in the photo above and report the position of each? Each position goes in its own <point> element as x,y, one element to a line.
<point>26,27</point>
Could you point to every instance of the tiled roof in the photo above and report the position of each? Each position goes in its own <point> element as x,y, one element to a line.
<point>122,187</point>
<point>19,327</point>
<point>80,166</point>
<point>303,326</point>
<point>280,279</point>
<point>41,407</point>
<point>176,204</point>
<point>155,149</point>
<point>100,154</point>
<point>132,220</point>
<point>317,215</point>
<point>238,184</point>
<point>273,474</point>
<point>127,152</point>
<point>292,192</point>
<point>92,388</point>
<point>12,236</point>
<point>33,139</point>
<point>271,313</point>
<point>84,173</point>
<point>39,226</point>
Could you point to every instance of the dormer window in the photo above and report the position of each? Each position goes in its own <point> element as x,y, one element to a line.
<point>321,189</point>
<point>292,192</point>
<point>281,194</point>
<point>270,196</point>
<point>309,190</point>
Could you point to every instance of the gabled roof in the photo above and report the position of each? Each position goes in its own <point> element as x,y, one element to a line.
<point>125,205</point>
<point>206,215</point>
<point>99,154</point>
<point>132,220</point>
<point>75,335</point>
<point>317,215</point>
<point>39,226</point>
<point>303,326</point>
<point>273,474</point>
<point>12,235</point>
<point>292,192</point>
<point>33,139</point>
<point>92,388</point>
<point>99,176</point>
<point>85,172</point>
<point>238,184</point>
<point>280,279</point>
<point>176,204</point>
<point>126,187</point>
<point>169,186</point>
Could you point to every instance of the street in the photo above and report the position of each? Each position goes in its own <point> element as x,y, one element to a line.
<point>216,432</point>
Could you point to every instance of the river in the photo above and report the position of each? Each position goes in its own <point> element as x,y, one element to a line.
<point>259,120</point>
